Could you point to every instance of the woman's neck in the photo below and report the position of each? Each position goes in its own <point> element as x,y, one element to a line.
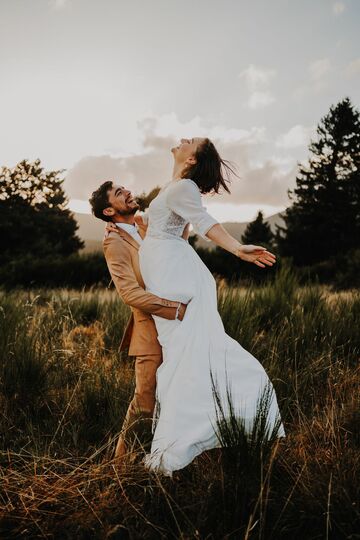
<point>177,171</point>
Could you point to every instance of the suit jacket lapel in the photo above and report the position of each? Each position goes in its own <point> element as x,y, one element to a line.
<point>126,236</point>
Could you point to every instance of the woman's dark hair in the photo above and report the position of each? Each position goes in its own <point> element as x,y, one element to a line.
<point>208,171</point>
<point>99,200</point>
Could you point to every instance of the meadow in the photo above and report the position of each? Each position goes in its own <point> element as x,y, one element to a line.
<point>64,390</point>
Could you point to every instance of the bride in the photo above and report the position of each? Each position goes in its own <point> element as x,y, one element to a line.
<point>196,351</point>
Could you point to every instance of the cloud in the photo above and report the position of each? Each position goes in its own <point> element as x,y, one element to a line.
<point>258,100</point>
<point>257,78</point>
<point>58,4</point>
<point>297,136</point>
<point>319,68</point>
<point>319,71</point>
<point>257,81</point>
<point>168,125</point>
<point>261,183</point>
<point>338,8</point>
<point>265,184</point>
<point>353,68</point>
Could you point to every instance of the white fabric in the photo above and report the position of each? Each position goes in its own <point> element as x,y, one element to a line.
<point>171,268</point>
<point>184,198</point>
<point>132,230</point>
<point>180,203</point>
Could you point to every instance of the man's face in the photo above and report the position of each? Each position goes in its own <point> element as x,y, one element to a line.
<point>121,202</point>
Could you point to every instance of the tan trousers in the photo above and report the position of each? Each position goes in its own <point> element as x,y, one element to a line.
<point>136,429</point>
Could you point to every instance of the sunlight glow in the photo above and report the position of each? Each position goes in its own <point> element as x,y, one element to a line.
<point>222,212</point>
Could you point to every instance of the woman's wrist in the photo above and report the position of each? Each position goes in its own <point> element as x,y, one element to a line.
<point>237,248</point>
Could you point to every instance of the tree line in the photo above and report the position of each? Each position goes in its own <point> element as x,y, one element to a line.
<point>320,236</point>
<point>321,232</point>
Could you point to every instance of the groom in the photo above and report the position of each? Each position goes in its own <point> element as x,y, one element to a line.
<point>114,203</point>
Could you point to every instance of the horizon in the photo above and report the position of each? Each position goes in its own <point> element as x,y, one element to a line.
<point>248,213</point>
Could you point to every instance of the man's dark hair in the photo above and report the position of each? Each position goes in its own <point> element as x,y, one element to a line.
<point>99,200</point>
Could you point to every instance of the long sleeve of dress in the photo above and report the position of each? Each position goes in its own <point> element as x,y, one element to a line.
<point>184,199</point>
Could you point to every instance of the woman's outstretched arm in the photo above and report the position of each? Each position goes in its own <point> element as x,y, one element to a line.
<point>247,252</point>
<point>184,198</point>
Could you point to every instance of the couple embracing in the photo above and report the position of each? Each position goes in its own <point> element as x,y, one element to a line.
<point>176,333</point>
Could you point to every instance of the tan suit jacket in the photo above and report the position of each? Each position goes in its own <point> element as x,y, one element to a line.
<point>122,258</point>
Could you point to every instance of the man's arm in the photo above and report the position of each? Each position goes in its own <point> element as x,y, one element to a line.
<point>120,267</point>
<point>186,232</point>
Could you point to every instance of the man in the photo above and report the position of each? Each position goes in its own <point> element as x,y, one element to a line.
<point>114,203</point>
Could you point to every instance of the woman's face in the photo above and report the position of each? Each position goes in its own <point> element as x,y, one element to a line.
<point>185,151</point>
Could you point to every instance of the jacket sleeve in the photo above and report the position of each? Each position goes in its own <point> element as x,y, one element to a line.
<point>119,262</point>
<point>184,199</point>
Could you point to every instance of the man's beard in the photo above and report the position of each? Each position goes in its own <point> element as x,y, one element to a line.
<point>129,211</point>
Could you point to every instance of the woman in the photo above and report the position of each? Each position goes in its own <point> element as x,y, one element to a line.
<point>196,351</point>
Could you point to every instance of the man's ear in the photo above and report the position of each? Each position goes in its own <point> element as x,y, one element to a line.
<point>110,212</point>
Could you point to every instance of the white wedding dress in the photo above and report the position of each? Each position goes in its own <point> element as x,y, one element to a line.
<point>196,350</point>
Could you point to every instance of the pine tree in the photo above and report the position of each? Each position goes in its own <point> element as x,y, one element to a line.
<point>34,220</point>
<point>258,232</point>
<point>324,219</point>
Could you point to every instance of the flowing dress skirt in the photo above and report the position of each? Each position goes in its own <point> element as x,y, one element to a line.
<point>196,352</point>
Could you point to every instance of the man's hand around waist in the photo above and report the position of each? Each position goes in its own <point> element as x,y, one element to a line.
<point>181,311</point>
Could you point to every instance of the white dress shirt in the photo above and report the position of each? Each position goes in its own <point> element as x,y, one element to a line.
<point>130,229</point>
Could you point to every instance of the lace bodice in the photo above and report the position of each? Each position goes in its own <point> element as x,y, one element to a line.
<point>177,204</point>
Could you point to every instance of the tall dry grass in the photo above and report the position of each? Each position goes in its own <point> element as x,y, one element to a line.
<point>64,390</point>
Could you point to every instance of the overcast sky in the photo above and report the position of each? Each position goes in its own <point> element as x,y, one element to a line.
<point>104,88</point>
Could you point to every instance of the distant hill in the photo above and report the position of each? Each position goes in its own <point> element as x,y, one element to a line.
<point>237,230</point>
<point>91,230</point>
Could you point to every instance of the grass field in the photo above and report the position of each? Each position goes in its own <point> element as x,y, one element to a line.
<point>64,390</point>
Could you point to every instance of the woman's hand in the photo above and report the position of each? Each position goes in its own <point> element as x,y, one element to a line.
<point>141,222</point>
<point>255,254</point>
<point>110,227</point>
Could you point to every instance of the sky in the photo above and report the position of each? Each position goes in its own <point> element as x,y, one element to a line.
<point>102,89</point>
